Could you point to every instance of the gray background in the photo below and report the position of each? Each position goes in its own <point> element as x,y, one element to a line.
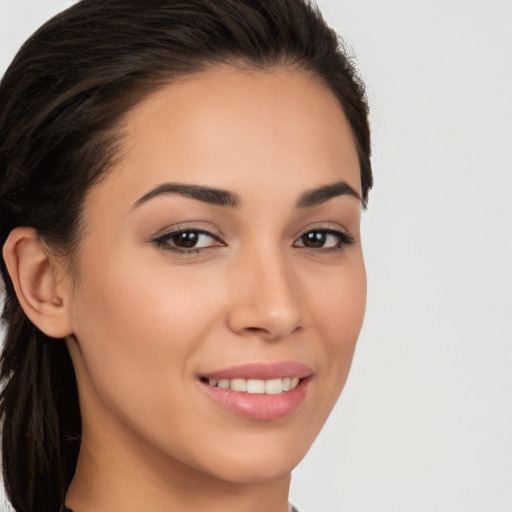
<point>425,421</point>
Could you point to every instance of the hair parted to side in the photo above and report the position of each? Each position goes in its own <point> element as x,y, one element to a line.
<point>62,102</point>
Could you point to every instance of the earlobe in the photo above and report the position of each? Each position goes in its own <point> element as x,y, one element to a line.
<point>36,282</point>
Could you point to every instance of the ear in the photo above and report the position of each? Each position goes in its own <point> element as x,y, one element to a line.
<point>35,278</point>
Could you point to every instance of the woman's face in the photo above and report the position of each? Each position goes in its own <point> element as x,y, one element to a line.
<point>222,253</point>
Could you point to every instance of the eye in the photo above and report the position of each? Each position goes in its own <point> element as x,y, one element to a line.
<point>329,239</point>
<point>187,240</point>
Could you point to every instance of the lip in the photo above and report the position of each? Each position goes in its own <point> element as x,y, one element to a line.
<point>264,371</point>
<point>260,407</point>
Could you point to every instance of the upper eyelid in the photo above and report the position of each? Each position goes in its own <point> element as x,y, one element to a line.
<point>164,241</point>
<point>174,232</point>
<point>218,236</point>
<point>183,228</point>
<point>323,226</point>
<point>331,231</point>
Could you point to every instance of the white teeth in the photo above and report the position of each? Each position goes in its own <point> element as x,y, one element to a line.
<point>273,387</point>
<point>238,385</point>
<point>224,383</point>
<point>257,386</point>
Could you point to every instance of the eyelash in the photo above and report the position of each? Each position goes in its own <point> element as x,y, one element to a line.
<point>344,240</point>
<point>164,241</point>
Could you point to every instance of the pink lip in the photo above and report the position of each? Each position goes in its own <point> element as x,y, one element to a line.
<point>260,406</point>
<point>264,371</point>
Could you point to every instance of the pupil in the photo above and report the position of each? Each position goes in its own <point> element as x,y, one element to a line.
<point>314,239</point>
<point>186,240</point>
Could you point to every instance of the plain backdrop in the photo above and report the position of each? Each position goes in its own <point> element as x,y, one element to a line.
<point>425,421</point>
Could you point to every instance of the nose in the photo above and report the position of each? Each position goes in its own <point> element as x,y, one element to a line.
<point>266,298</point>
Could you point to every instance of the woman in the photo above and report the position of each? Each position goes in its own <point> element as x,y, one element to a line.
<point>181,190</point>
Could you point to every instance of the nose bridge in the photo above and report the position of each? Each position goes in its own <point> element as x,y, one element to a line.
<point>267,299</point>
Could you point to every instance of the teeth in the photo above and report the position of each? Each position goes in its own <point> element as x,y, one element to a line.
<point>273,387</point>
<point>238,385</point>
<point>257,386</point>
<point>224,383</point>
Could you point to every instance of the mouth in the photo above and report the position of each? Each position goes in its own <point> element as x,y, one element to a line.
<point>259,391</point>
<point>255,386</point>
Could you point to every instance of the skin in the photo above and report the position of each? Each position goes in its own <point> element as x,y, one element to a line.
<point>144,322</point>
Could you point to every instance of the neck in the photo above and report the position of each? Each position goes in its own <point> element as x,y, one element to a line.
<point>141,480</point>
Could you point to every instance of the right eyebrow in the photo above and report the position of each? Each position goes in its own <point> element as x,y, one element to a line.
<point>323,194</point>
<point>209,195</point>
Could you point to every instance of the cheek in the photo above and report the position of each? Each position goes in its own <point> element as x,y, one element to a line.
<point>142,302</point>
<point>340,303</point>
<point>339,310</point>
<point>138,332</point>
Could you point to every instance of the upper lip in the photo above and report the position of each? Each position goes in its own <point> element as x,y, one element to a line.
<point>263,371</point>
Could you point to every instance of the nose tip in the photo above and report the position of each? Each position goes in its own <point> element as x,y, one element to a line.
<point>267,303</point>
<point>270,325</point>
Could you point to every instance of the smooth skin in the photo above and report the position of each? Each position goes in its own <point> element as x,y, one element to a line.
<point>145,316</point>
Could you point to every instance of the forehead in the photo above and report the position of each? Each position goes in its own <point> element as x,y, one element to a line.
<point>231,128</point>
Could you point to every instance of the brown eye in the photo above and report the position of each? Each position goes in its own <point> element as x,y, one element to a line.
<point>314,239</point>
<point>186,240</point>
<point>324,239</point>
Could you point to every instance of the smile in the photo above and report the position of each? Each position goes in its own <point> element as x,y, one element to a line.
<point>259,391</point>
<point>257,386</point>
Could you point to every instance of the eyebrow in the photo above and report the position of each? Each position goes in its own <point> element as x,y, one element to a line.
<point>206,194</point>
<point>323,194</point>
<point>225,198</point>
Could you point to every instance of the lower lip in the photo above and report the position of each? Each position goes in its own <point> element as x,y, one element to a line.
<point>259,406</point>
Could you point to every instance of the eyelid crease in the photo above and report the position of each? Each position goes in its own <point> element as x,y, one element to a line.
<point>333,227</point>
<point>163,241</point>
<point>185,227</point>
<point>180,231</point>
<point>345,239</point>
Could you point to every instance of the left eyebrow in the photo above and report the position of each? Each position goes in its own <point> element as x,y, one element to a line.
<point>205,194</point>
<point>322,194</point>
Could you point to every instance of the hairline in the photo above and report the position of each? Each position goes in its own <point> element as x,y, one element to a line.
<point>116,135</point>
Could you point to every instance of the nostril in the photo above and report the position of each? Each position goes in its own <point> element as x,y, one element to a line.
<point>264,319</point>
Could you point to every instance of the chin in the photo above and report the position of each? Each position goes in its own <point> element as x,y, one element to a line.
<point>254,463</point>
<point>254,472</point>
